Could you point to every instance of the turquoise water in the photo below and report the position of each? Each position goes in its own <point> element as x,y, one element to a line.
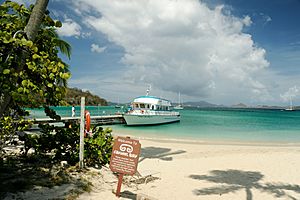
<point>216,124</point>
<point>66,111</point>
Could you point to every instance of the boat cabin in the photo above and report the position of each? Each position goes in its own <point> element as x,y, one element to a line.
<point>150,103</point>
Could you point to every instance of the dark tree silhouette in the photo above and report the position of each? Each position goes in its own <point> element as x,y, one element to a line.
<point>234,180</point>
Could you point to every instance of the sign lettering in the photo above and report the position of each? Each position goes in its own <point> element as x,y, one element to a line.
<point>125,155</point>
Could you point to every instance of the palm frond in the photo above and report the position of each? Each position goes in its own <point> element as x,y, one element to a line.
<point>63,46</point>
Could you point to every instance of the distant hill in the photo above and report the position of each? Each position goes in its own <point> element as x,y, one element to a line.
<point>200,104</point>
<point>240,105</point>
<point>73,96</point>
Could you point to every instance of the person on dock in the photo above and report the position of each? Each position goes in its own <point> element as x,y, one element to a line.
<point>73,111</point>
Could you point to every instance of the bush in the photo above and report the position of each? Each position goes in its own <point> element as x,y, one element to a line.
<point>98,147</point>
<point>62,144</point>
<point>8,127</point>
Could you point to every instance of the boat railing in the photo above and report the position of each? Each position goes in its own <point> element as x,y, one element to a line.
<point>152,112</point>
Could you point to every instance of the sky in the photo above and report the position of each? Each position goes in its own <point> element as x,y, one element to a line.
<point>220,51</point>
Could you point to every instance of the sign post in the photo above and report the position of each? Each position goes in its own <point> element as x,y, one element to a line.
<point>81,139</point>
<point>124,158</point>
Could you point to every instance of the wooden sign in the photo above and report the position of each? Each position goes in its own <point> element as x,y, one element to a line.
<point>125,155</point>
<point>124,158</point>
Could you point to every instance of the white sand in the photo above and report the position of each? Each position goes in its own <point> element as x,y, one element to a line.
<point>210,170</point>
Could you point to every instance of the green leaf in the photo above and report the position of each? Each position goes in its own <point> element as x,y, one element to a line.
<point>60,65</point>
<point>35,56</point>
<point>6,71</point>
<point>66,75</point>
<point>29,44</point>
<point>24,82</point>
<point>58,24</point>
<point>51,75</point>
<point>35,49</point>
<point>24,41</point>
<point>20,90</point>
<point>50,85</point>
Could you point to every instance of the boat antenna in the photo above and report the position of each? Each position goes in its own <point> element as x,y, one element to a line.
<point>148,90</point>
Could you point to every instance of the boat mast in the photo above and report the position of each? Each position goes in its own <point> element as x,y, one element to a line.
<point>291,103</point>
<point>148,90</point>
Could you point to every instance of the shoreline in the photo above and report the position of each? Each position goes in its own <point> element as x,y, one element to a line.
<point>227,142</point>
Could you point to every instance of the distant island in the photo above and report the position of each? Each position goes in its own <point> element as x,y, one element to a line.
<point>201,104</point>
<point>73,96</point>
<point>204,104</point>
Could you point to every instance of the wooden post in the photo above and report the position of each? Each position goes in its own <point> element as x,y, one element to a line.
<point>81,144</point>
<point>119,184</point>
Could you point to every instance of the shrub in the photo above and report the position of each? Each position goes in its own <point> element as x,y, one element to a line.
<point>98,147</point>
<point>62,144</point>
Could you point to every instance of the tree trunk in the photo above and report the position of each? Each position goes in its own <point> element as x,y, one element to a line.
<point>5,104</point>
<point>36,19</point>
<point>31,31</point>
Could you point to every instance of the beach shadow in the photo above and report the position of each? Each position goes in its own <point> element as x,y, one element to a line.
<point>128,195</point>
<point>19,175</point>
<point>231,181</point>
<point>159,153</point>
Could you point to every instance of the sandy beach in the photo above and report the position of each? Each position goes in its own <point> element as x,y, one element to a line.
<point>208,170</point>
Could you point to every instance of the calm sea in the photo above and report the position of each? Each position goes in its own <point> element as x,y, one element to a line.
<point>255,125</point>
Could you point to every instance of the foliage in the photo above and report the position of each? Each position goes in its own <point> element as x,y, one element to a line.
<point>31,72</point>
<point>98,147</point>
<point>62,144</point>
<point>8,126</point>
<point>73,96</point>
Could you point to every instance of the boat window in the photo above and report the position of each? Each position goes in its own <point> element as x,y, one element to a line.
<point>136,105</point>
<point>142,105</point>
<point>148,106</point>
<point>152,107</point>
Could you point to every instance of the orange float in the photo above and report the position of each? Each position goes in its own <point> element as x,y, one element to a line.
<point>87,122</point>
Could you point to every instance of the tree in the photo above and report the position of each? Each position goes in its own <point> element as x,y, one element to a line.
<point>36,19</point>
<point>31,73</point>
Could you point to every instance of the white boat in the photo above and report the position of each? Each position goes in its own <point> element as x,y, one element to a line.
<point>150,110</point>
<point>291,106</point>
<point>118,104</point>
<point>179,106</point>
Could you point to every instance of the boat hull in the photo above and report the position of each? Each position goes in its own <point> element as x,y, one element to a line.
<point>178,108</point>
<point>139,120</point>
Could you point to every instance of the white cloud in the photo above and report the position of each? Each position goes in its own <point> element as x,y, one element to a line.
<point>182,46</point>
<point>266,18</point>
<point>86,34</point>
<point>95,48</point>
<point>290,94</point>
<point>69,28</point>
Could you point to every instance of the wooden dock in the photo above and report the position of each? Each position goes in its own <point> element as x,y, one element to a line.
<point>99,120</point>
